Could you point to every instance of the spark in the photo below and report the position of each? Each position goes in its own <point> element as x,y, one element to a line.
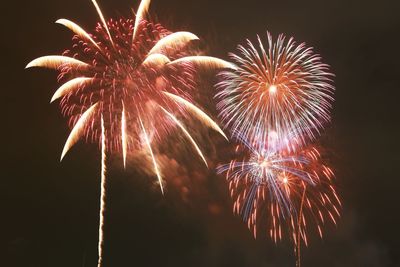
<point>70,86</point>
<point>103,20</point>
<point>54,62</point>
<point>209,62</point>
<point>75,28</point>
<point>78,130</point>
<point>187,135</point>
<point>142,10</point>
<point>198,112</point>
<point>147,141</point>
<point>174,40</point>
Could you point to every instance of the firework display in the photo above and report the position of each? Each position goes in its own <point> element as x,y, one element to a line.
<point>126,86</point>
<point>132,82</point>
<point>275,103</point>
<point>291,186</point>
<point>135,74</point>
<point>281,87</point>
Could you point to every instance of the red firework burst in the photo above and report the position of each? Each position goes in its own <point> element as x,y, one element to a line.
<point>279,190</point>
<point>122,78</point>
<point>125,85</point>
<point>135,75</point>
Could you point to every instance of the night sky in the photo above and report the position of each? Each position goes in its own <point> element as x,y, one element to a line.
<point>49,210</point>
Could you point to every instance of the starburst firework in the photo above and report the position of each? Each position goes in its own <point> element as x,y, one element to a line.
<point>281,190</point>
<point>276,88</point>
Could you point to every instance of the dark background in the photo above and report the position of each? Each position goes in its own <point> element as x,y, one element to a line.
<point>49,210</point>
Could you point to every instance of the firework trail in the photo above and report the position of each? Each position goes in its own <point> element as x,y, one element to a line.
<point>276,87</point>
<point>126,86</point>
<point>102,194</point>
<point>280,190</point>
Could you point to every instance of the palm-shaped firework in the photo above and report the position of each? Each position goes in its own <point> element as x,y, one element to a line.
<point>126,85</point>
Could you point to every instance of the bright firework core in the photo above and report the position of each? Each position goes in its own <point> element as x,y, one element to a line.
<point>272,89</point>
<point>264,165</point>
